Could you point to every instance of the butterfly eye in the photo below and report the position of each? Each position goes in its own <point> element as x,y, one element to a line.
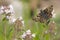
<point>51,5</point>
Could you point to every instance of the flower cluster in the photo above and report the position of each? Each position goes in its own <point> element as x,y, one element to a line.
<point>18,28</point>
<point>19,21</point>
<point>10,14</point>
<point>8,11</point>
<point>28,35</point>
<point>52,28</point>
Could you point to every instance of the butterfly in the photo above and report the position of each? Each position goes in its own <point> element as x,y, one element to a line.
<point>44,15</point>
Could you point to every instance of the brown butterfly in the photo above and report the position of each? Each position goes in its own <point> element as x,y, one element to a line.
<point>44,15</point>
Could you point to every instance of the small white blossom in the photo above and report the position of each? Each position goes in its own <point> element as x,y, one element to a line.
<point>1,11</point>
<point>11,18</point>
<point>14,20</point>
<point>11,9</point>
<point>6,9</point>
<point>46,32</point>
<point>28,32</point>
<point>20,18</point>
<point>7,17</point>
<point>2,7</point>
<point>24,34</point>
<point>33,35</point>
<point>54,15</point>
<point>22,22</point>
<point>53,12</point>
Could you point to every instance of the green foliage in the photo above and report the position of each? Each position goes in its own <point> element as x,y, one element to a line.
<point>36,27</point>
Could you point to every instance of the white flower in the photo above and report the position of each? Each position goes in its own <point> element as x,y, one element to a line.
<point>20,18</point>
<point>1,10</point>
<point>53,12</point>
<point>28,32</point>
<point>54,15</point>
<point>12,19</point>
<point>2,7</point>
<point>7,9</point>
<point>46,32</point>
<point>24,34</point>
<point>22,22</point>
<point>33,35</point>
<point>11,9</point>
<point>7,17</point>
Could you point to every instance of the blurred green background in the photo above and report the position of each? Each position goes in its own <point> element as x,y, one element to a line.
<point>22,8</point>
